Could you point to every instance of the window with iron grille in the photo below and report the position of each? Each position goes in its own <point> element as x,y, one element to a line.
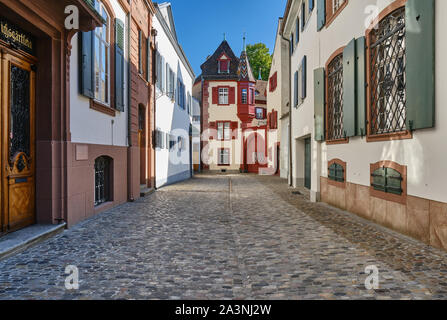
<point>387,180</point>
<point>387,75</point>
<point>335,99</point>
<point>102,180</point>
<point>336,172</point>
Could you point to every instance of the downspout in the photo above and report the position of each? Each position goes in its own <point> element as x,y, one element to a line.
<point>290,117</point>
<point>129,106</point>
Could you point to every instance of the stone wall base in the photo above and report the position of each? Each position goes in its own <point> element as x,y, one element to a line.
<point>422,219</point>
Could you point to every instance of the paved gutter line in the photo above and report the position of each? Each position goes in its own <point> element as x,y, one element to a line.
<point>32,241</point>
<point>246,287</point>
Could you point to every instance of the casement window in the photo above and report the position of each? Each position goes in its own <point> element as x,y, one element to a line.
<point>260,113</point>
<point>387,108</point>
<point>223,96</point>
<point>102,65</point>
<point>337,173</point>
<point>291,45</point>
<point>273,82</point>
<point>224,130</point>
<point>189,104</point>
<point>224,157</point>
<point>297,30</point>
<point>103,180</point>
<point>102,59</point>
<point>334,108</point>
<point>300,83</point>
<point>160,70</point>
<point>161,139</point>
<point>244,96</point>
<point>328,10</point>
<point>170,82</point>
<point>252,96</point>
<point>303,15</point>
<point>389,181</point>
<point>224,66</point>
<point>181,99</point>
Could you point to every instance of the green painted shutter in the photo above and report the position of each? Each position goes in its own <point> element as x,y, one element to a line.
<point>304,78</point>
<point>420,69</point>
<point>86,61</point>
<point>361,86</point>
<point>148,60</point>
<point>321,14</point>
<point>295,87</point>
<point>119,65</point>
<point>319,100</point>
<point>349,94</point>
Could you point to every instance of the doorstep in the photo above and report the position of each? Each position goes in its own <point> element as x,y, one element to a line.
<point>146,191</point>
<point>21,240</point>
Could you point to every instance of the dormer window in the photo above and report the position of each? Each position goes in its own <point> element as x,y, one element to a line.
<point>224,64</point>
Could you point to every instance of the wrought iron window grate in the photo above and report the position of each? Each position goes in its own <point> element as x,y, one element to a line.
<point>336,173</point>
<point>102,180</point>
<point>335,99</point>
<point>387,78</point>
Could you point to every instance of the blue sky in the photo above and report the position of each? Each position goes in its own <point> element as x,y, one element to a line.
<point>200,25</point>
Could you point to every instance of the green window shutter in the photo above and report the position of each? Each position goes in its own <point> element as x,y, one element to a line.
<point>295,87</point>
<point>148,60</point>
<point>304,78</point>
<point>119,65</point>
<point>86,61</point>
<point>349,96</point>
<point>420,69</point>
<point>319,100</point>
<point>321,14</point>
<point>361,86</point>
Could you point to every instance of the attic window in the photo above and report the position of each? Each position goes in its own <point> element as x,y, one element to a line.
<point>224,64</point>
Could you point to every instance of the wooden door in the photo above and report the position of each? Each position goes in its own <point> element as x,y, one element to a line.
<point>307,164</point>
<point>18,142</point>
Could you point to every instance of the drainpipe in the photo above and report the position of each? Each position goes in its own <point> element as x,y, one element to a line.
<point>129,106</point>
<point>290,117</point>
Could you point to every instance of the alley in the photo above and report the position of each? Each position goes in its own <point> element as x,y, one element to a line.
<point>226,237</point>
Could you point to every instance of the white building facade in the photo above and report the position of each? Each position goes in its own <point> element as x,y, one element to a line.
<point>367,116</point>
<point>278,99</point>
<point>173,114</point>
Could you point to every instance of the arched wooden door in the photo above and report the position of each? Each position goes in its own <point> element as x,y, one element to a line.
<point>18,142</point>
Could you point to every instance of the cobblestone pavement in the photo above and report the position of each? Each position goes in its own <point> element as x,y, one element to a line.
<point>226,237</point>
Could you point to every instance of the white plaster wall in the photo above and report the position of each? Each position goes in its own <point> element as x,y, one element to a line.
<point>90,126</point>
<point>169,117</point>
<point>424,155</point>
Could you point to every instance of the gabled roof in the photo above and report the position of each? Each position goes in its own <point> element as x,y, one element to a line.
<point>210,66</point>
<point>244,70</point>
<point>166,11</point>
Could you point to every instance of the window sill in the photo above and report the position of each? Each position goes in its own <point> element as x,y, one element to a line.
<point>97,106</point>
<point>223,165</point>
<point>390,136</point>
<point>339,141</point>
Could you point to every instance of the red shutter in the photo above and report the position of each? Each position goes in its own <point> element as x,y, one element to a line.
<point>212,130</point>
<point>223,65</point>
<point>232,96</point>
<point>234,129</point>
<point>275,119</point>
<point>215,95</point>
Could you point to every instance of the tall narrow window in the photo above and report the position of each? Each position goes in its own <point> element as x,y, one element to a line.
<point>387,92</point>
<point>335,99</point>
<point>244,96</point>
<point>224,66</point>
<point>102,180</point>
<point>102,58</point>
<point>224,131</point>
<point>224,157</point>
<point>223,96</point>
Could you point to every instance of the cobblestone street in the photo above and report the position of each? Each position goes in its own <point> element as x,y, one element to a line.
<point>226,237</point>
